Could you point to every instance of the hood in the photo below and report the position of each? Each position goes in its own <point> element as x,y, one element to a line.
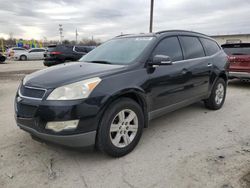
<point>63,74</point>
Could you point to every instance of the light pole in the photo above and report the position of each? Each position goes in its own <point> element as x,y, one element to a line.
<point>76,35</point>
<point>61,31</point>
<point>151,16</point>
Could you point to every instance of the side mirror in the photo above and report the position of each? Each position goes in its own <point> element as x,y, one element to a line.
<point>159,60</point>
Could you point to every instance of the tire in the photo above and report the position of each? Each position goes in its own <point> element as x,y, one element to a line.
<point>2,59</point>
<point>113,142</point>
<point>23,57</point>
<point>217,96</point>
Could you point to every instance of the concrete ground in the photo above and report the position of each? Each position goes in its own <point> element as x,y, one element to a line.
<point>192,147</point>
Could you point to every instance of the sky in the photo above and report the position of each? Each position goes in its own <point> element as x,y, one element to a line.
<point>104,19</point>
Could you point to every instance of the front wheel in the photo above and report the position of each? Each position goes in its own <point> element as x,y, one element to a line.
<point>121,128</point>
<point>218,95</point>
<point>23,57</point>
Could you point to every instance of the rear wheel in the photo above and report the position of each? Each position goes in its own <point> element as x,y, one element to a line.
<point>23,57</point>
<point>218,95</point>
<point>121,128</point>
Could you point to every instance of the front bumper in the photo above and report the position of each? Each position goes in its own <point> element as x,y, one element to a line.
<point>33,115</point>
<point>77,140</point>
<point>242,75</point>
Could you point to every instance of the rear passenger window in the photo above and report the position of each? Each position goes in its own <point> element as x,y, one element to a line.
<point>192,47</point>
<point>210,46</point>
<point>169,47</point>
<point>80,49</point>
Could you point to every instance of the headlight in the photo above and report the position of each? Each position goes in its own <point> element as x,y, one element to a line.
<point>77,90</point>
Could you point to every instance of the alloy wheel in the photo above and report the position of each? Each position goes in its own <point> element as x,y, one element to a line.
<point>124,128</point>
<point>219,94</point>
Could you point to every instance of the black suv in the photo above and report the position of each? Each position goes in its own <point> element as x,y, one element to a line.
<point>56,54</point>
<point>108,97</point>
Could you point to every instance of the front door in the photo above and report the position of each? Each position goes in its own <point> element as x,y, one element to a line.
<point>167,84</point>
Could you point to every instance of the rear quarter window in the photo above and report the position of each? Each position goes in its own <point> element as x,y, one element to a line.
<point>192,47</point>
<point>210,46</point>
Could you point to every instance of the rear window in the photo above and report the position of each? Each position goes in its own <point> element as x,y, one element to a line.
<point>80,49</point>
<point>210,46</point>
<point>54,48</point>
<point>237,49</point>
<point>18,49</point>
<point>192,47</point>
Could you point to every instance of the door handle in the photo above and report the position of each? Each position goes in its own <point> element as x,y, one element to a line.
<point>184,71</point>
<point>209,64</point>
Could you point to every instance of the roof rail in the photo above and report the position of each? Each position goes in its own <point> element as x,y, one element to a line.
<point>165,31</point>
<point>122,35</point>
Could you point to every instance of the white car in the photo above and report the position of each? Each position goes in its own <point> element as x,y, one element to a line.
<point>15,50</point>
<point>32,54</point>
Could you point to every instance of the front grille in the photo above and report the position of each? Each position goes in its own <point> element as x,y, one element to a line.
<point>25,111</point>
<point>30,92</point>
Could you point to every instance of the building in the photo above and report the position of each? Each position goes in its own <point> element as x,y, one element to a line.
<point>234,38</point>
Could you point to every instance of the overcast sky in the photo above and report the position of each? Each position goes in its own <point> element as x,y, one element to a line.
<point>105,19</point>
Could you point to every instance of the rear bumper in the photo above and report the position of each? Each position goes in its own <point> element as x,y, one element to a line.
<point>241,75</point>
<point>76,140</point>
<point>54,61</point>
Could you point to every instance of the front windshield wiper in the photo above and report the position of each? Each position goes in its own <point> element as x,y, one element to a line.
<point>100,61</point>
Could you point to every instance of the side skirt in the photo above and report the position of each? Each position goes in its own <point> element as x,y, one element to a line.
<point>162,111</point>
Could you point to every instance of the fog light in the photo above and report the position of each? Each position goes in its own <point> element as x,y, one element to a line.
<point>58,126</point>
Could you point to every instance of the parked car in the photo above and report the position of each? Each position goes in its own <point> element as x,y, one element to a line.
<point>111,94</point>
<point>15,50</point>
<point>57,54</point>
<point>2,58</point>
<point>239,56</point>
<point>32,54</point>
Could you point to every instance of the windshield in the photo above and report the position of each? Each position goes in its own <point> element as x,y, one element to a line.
<point>118,51</point>
<point>237,51</point>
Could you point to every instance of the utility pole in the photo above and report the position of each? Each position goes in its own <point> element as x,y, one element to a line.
<point>151,16</point>
<point>76,35</point>
<point>61,32</point>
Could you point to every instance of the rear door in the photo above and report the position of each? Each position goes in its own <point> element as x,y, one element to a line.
<point>40,54</point>
<point>32,54</point>
<point>198,67</point>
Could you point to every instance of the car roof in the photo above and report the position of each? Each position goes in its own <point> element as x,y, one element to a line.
<point>37,48</point>
<point>166,32</point>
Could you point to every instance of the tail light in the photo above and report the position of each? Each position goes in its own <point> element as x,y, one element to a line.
<point>55,53</point>
<point>231,59</point>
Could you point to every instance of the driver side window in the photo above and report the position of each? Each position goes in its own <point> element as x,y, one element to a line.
<point>170,47</point>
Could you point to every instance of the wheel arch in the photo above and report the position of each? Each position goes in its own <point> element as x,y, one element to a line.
<point>214,77</point>
<point>224,76</point>
<point>135,94</point>
<point>23,55</point>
